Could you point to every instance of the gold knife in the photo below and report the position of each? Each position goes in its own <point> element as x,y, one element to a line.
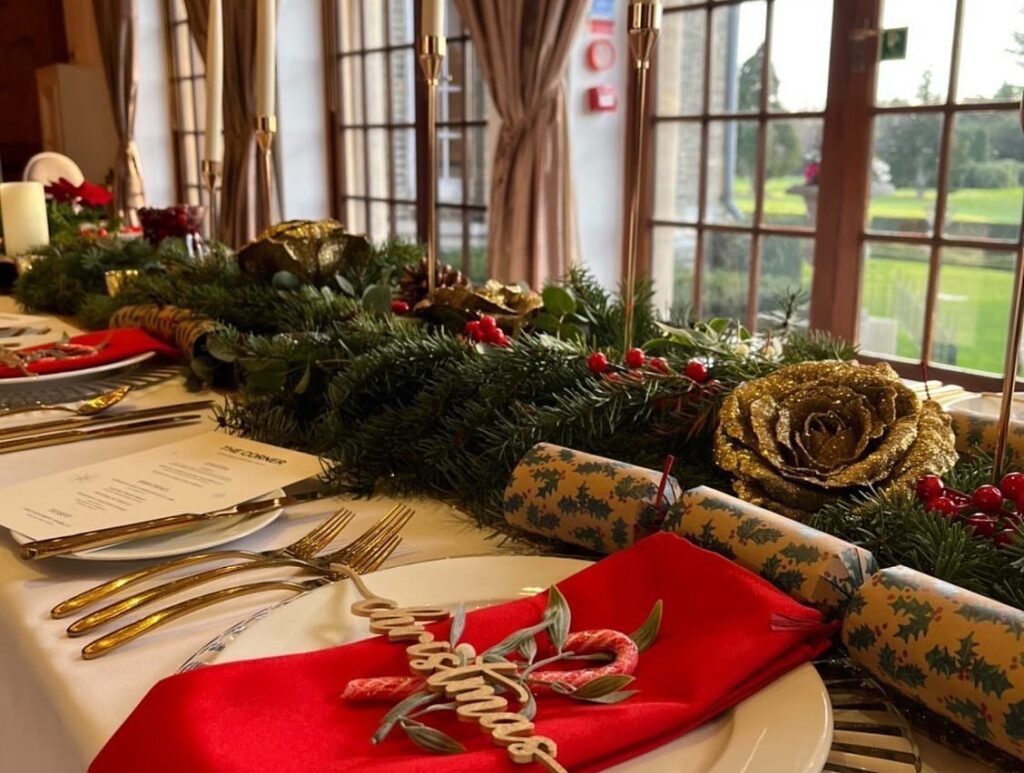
<point>58,546</point>
<point>74,435</point>
<point>39,428</point>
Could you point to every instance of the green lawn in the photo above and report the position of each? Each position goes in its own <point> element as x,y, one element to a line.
<point>971,205</point>
<point>974,290</point>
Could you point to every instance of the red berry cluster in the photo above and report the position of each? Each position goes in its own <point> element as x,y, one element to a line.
<point>636,358</point>
<point>486,330</point>
<point>995,512</point>
<point>399,307</point>
<point>180,220</point>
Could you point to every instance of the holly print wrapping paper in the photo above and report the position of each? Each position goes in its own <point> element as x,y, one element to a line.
<point>813,567</point>
<point>957,652</point>
<point>976,430</point>
<point>586,500</point>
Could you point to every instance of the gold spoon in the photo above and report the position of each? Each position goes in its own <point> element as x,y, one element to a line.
<point>91,407</point>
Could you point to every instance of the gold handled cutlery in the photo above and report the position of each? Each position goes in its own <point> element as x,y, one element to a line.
<point>90,407</point>
<point>59,546</point>
<point>371,557</point>
<point>306,546</point>
<point>39,428</point>
<point>91,433</point>
<point>389,525</point>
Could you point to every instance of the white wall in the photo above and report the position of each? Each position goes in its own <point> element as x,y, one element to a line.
<point>301,144</point>
<point>597,155</point>
<point>152,110</point>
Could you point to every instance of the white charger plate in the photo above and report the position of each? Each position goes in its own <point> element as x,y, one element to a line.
<point>787,726</point>
<point>20,382</point>
<point>209,535</point>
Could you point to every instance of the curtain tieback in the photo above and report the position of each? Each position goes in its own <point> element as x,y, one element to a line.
<point>513,131</point>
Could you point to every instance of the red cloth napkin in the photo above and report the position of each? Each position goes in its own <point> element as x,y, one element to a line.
<point>720,641</point>
<point>118,344</point>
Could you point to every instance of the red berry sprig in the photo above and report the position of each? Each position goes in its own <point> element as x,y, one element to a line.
<point>400,307</point>
<point>486,330</point>
<point>992,512</point>
<point>597,363</point>
<point>696,371</point>
<point>635,358</point>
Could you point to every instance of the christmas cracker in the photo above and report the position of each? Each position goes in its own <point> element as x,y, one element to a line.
<point>958,653</point>
<point>586,500</point>
<point>180,327</point>
<point>813,567</point>
<point>975,429</point>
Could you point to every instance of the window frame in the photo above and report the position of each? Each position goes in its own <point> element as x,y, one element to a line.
<point>185,76</point>
<point>842,230</point>
<point>335,85</point>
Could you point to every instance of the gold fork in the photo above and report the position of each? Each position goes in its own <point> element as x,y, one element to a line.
<point>306,546</point>
<point>390,523</point>
<point>372,558</point>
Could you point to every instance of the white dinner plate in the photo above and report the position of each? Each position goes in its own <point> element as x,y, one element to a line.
<point>20,382</point>
<point>207,536</point>
<point>786,727</point>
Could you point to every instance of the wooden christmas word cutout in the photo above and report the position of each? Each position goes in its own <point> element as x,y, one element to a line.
<point>476,686</point>
<point>460,675</point>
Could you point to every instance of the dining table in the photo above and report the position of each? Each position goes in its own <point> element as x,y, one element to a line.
<point>57,710</point>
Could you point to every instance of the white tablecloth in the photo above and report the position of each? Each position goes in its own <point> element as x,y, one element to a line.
<point>57,710</point>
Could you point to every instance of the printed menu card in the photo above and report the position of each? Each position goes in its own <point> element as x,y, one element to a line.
<point>206,472</point>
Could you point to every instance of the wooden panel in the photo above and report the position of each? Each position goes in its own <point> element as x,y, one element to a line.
<point>31,36</point>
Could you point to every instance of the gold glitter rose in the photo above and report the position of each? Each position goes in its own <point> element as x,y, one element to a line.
<point>810,433</point>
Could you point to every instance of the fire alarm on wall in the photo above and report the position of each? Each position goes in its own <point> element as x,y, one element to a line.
<point>600,54</point>
<point>602,99</point>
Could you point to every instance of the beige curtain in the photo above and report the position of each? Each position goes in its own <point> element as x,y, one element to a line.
<point>115,27</point>
<point>238,189</point>
<point>523,48</point>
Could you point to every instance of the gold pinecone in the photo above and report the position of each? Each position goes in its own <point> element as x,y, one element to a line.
<point>412,285</point>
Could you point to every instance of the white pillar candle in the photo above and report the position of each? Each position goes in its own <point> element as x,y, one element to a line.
<point>266,46</point>
<point>432,18</point>
<point>23,208</point>
<point>215,82</point>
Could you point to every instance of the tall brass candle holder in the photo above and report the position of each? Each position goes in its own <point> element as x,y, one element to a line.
<point>266,128</point>
<point>432,50</point>
<point>644,27</point>
<point>211,176</point>
<point>1012,360</point>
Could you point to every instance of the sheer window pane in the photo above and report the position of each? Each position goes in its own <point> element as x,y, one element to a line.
<point>787,269</point>
<point>726,275</point>
<point>675,251</point>
<point>681,64</point>
<point>904,173</point>
<point>731,164</point>
<point>894,286</point>
<point>677,183</point>
<point>737,54</point>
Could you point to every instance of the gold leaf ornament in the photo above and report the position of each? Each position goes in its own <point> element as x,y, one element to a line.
<point>312,250</point>
<point>814,432</point>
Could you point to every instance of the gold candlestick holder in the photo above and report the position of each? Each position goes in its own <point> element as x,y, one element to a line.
<point>644,28</point>
<point>211,176</point>
<point>266,128</point>
<point>1012,359</point>
<point>432,50</point>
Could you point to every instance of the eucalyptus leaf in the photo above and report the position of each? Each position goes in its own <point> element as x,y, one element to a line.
<point>400,709</point>
<point>458,625</point>
<point>528,649</point>
<point>612,697</point>
<point>303,384</point>
<point>221,348</point>
<point>432,739</point>
<point>513,641</point>
<point>558,613</point>
<point>602,685</point>
<point>529,709</point>
<point>645,635</point>
<point>546,322</point>
<point>345,286</point>
<point>558,300</point>
<point>377,299</point>
<point>202,368</point>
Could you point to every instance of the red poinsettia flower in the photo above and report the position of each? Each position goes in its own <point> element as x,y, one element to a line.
<point>812,172</point>
<point>62,191</point>
<point>93,195</point>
